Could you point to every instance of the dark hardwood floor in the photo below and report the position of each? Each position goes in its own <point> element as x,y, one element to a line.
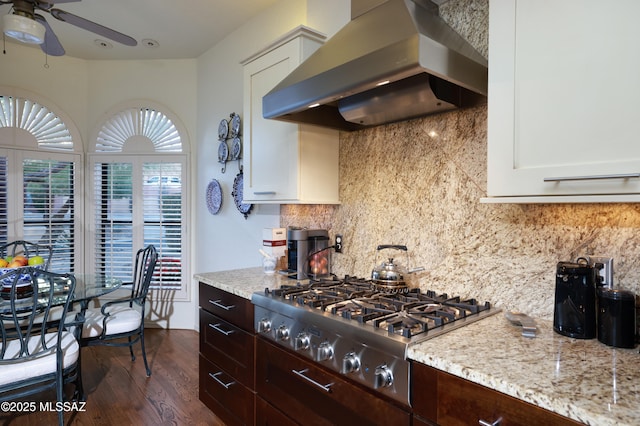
<point>119,392</point>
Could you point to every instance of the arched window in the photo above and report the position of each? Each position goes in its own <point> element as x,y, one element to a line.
<point>133,129</point>
<point>49,130</point>
<point>40,177</point>
<point>138,178</point>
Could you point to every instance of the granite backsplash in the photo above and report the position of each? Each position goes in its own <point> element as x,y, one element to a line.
<point>419,183</point>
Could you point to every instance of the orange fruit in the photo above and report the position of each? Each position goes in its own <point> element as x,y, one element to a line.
<point>21,259</point>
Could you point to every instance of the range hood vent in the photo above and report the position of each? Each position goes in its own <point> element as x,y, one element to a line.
<point>429,68</point>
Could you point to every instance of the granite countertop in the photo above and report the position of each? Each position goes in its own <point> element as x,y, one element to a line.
<point>581,379</point>
<point>243,282</point>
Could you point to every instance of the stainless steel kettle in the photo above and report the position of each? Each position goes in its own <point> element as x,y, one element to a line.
<point>389,276</point>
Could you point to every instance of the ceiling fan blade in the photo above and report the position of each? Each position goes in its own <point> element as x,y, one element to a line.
<point>51,45</point>
<point>85,24</point>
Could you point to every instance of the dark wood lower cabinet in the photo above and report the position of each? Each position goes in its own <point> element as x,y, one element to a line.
<point>226,366</point>
<point>248,380</point>
<point>229,399</point>
<point>309,394</point>
<point>461,402</point>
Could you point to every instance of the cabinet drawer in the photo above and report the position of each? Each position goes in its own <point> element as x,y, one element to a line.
<point>267,415</point>
<point>226,397</point>
<point>309,394</point>
<point>227,306</point>
<point>228,346</point>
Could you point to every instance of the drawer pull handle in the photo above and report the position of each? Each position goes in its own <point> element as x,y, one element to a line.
<point>593,177</point>
<point>485,423</point>
<point>264,192</point>
<point>220,305</point>
<point>326,388</point>
<point>215,377</point>
<point>217,328</point>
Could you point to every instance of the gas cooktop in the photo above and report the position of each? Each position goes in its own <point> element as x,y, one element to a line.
<point>351,327</point>
<point>409,313</point>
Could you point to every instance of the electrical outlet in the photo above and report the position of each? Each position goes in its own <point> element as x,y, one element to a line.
<point>338,244</point>
<point>606,273</point>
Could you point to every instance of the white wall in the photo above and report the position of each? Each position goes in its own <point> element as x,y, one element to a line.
<point>227,240</point>
<point>62,81</point>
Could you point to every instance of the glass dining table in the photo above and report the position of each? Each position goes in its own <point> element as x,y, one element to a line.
<point>88,287</point>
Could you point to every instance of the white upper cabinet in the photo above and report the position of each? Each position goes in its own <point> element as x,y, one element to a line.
<point>564,115</point>
<point>285,163</point>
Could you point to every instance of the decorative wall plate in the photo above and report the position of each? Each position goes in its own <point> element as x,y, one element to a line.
<point>235,125</point>
<point>223,130</point>
<point>236,148</point>
<point>223,152</point>
<point>214,196</point>
<point>237,193</point>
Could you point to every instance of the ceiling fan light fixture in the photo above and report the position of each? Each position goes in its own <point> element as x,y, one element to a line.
<point>23,29</point>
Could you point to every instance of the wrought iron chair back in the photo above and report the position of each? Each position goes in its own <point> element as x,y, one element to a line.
<point>146,259</point>
<point>122,319</point>
<point>37,352</point>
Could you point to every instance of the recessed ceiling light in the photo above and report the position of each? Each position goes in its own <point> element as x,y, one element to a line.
<point>147,42</point>
<point>103,43</point>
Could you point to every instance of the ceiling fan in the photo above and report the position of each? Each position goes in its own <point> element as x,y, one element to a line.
<point>25,25</point>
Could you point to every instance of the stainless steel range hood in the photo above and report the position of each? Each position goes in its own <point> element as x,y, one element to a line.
<point>430,69</point>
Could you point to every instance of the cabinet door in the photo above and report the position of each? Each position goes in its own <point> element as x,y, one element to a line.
<point>461,402</point>
<point>272,148</point>
<point>563,84</point>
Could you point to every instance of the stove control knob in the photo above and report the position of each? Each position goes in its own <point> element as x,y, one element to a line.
<point>325,351</point>
<point>264,325</point>
<point>350,363</point>
<point>302,342</point>
<point>282,333</point>
<point>384,376</point>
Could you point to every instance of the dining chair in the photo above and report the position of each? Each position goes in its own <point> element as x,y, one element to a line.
<point>121,319</point>
<point>28,249</point>
<point>37,353</point>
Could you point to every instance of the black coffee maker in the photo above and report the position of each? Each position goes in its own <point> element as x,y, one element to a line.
<point>301,242</point>
<point>574,312</point>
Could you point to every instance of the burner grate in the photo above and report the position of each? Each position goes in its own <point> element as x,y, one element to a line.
<point>408,313</point>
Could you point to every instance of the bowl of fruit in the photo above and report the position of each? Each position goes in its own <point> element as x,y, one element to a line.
<point>9,264</point>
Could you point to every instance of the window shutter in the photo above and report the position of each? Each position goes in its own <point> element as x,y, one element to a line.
<point>49,208</point>
<point>163,195</point>
<point>113,194</point>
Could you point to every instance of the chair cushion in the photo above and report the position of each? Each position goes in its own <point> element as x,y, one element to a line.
<point>122,319</point>
<point>15,371</point>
